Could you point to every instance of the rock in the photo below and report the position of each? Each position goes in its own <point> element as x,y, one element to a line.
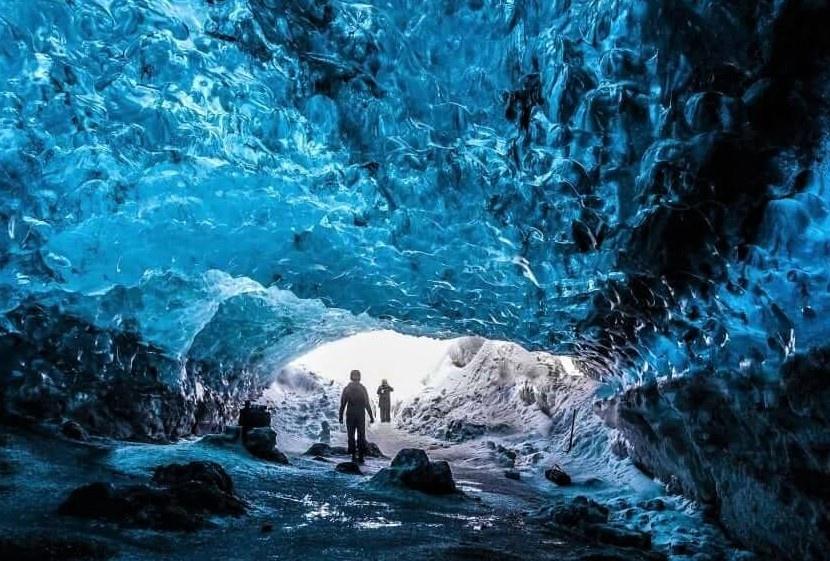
<point>348,467</point>
<point>231,435</point>
<point>580,512</point>
<point>262,443</point>
<point>513,474</point>
<point>181,499</point>
<point>621,537</point>
<point>40,548</point>
<point>653,504</point>
<point>209,473</point>
<point>413,469</point>
<point>73,430</point>
<point>267,527</point>
<point>558,476</point>
<point>322,449</point>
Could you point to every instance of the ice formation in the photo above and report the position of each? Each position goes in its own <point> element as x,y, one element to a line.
<point>193,193</point>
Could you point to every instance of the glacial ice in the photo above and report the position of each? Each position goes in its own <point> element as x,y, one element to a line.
<point>214,188</point>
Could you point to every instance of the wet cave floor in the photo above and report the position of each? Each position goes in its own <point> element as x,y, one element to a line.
<point>313,511</point>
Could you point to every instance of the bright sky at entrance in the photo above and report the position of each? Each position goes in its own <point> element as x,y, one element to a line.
<point>403,360</point>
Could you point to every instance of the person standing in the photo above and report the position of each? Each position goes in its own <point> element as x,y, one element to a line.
<point>385,401</point>
<point>355,402</point>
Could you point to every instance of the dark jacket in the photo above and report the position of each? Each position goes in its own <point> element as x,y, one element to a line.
<point>356,398</point>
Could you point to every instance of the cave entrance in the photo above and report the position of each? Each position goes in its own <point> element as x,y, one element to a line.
<point>305,395</point>
<point>405,361</point>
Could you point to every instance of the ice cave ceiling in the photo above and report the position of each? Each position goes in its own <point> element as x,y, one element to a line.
<point>638,183</point>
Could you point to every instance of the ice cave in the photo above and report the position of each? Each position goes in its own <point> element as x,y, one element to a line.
<point>564,265</point>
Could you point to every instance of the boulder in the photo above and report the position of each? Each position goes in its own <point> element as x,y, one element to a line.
<point>73,430</point>
<point>348,467</point>
<point>262,443</point>
<point>557,475</point>
<point>180,499</point>
<point>412,468</point>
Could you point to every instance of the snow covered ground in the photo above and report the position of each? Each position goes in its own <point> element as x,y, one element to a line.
<point>491,406</point>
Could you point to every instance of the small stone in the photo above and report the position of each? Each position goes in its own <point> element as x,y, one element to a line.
<point>73,430</point>
<point>557,475</point>
<point>267,527</point>
<point>348,467</point>
<point>513,474</point>
<point>622,537</point>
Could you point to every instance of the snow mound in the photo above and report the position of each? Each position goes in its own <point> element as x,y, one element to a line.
<point>492,387</point>
<point>302,404</point>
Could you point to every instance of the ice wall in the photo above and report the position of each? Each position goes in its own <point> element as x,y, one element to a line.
<point>611,178</point>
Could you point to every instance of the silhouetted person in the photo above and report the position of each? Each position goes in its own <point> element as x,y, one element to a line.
<point>385,401</point>
<point>356,399</point>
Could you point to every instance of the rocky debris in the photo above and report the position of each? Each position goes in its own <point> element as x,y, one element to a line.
<point>513,474</point>
<point>653,504</point>
<point>73,430</point>
<point>557,475</point>
<point>321,449</point>
<point>619,536</point>
<point>505,457</point>
<point>40,548</point>
<point>262,443</point>
<point>209,473</point>
<point>412,468</point>
<point>348,467</point>
<point>590,519</point>
<point>580,512</point>
<point>181,498</point>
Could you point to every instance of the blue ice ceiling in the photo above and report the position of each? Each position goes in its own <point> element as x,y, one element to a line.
<point>638,183</point>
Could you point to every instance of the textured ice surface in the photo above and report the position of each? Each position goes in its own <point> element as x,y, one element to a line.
<point>571,175</point>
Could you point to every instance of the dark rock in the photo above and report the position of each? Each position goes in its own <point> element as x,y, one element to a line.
<point>73,430</point>
<point>254,416</point>
<point>40,548</point>
<point>558,476</point>
<point>209,473</point>
<point>322,449</point>
<point>267,527</point>
<point>513,474</point>
<point>349,467</point>
<point>262,443</point>
<point>621,537</point>
<point>413,469</point>
<point>581,512</point>
<point>186,494</point>
<point>653,504</point>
